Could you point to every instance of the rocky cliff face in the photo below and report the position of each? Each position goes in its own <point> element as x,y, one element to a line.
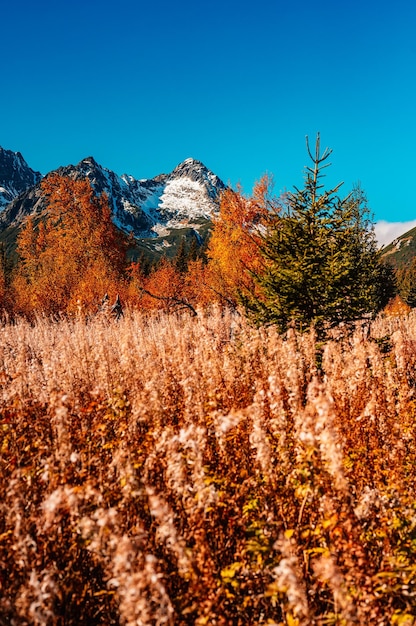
<point>15,176</point>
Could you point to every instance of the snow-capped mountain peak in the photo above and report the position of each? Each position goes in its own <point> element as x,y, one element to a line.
<point>198,172</point>
<point>150,209</point>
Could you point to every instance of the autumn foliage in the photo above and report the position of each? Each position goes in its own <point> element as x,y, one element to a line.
<point>71,255</point>
<point>234,247</point>
<point>223,274</point>
<point>171,469</point>
<point>180,466</point>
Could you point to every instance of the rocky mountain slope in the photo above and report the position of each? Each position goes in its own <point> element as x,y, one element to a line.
<point>158,212</point>
<point>15,176</point>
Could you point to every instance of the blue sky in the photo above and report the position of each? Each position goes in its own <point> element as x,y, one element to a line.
<point>238,85</point>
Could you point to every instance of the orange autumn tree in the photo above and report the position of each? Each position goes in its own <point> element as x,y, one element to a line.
<point>165,288</point>
<point>199,284</point>
<point>233,251</point>
<point>73,255</point>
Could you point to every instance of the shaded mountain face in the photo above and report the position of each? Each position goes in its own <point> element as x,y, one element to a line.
<point>153,210</point>
<point>15,176</point>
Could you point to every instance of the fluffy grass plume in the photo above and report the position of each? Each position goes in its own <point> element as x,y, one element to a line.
<point>174,470</point>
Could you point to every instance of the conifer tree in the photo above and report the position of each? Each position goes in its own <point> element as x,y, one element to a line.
<point>195,250</point>
<point>181,258</point>
<point>321,260</point>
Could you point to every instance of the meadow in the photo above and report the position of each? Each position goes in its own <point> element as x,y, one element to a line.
<point>169,469</point>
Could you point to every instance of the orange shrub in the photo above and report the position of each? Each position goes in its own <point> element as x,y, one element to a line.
<point>396,307</point>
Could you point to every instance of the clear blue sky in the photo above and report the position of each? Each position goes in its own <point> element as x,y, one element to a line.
<point>143,85</point>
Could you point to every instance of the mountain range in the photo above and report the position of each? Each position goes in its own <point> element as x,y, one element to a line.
<point>158,212</point>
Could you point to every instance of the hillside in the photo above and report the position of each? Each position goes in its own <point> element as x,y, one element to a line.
<point>402,250</point>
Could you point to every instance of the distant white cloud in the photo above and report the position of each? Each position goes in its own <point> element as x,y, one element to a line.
<point>386,232</point>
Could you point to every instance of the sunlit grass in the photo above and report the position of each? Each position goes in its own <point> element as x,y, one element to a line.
<point>172,469</point>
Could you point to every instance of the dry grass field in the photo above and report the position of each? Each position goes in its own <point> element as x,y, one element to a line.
<point>166,469</point>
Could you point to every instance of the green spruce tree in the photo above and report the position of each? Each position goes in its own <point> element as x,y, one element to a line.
<point>181,258</point>
<point>321,260</point>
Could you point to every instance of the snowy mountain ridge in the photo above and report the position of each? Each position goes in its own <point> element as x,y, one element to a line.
<point>187,198</point>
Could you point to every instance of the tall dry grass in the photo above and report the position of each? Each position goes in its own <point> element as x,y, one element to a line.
<point>177,470</point>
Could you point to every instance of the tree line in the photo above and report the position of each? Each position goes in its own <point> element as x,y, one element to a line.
<point>306,257</point>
